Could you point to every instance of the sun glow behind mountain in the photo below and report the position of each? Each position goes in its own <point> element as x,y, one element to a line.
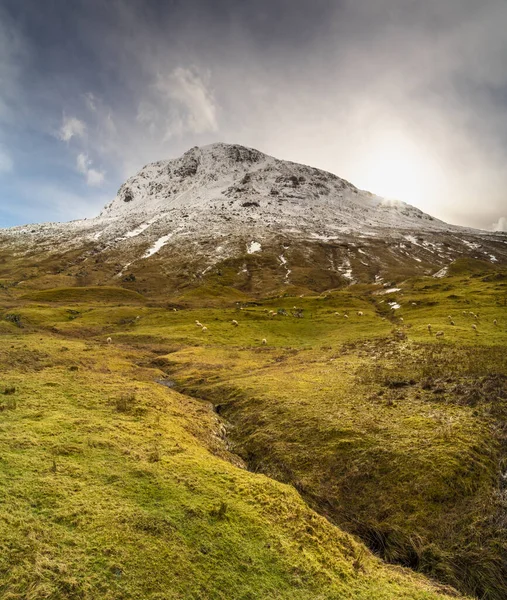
<point>393,166</point>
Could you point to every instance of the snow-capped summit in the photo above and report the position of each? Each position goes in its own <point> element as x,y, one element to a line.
<point>241,184</point>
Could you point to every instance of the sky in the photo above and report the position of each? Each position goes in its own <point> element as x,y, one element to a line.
<point>404,98</point>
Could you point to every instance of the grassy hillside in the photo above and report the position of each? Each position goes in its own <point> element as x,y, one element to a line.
<point>115,486</point>
<point>86,294</point>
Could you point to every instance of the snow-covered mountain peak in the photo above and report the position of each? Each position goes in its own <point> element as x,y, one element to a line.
<point>239,184</point>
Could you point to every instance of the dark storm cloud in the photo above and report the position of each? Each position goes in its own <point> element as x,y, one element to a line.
<point>92,90</point>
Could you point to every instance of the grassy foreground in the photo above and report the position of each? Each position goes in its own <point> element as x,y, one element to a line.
<point>114,486</point>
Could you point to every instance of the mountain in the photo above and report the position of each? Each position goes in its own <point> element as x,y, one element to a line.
<point>184,414</point>
<point>227,183</point>
<point>233,215</point>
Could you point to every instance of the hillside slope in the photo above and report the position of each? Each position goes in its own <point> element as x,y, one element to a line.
<point>113,486</point>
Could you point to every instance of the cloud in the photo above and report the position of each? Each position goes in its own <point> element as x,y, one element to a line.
<point>6,162</point>
<point>188,100</point>
<point>94,178</point>
<point>500,225</point>
<point>71,127</point>
<point>82,163</point>
<point>91,101</point>
<point>147,114</point>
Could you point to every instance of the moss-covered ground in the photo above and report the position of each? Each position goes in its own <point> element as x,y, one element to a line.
<point>114,486</point>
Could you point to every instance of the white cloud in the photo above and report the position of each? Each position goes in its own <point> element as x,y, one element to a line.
<point>501,224</point>
<point>190,104</point>
<point>91,101</point>
<point>82,162</point>
<point>71,127</point>
<point>147,114</point>
<point>94,178</point>
<point>6,163</point>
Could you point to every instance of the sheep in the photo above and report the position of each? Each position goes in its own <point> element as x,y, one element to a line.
<point>360,313</point>
<point>264,341</point>
<point>109,340</point>
<point>495,322</point>
<point>450,318</point>
<point>476,317</point>
<point>175,310</point>
<point>401,319</point>
<point>138,317</point>
<point>464,313</point>
<point>204,328</point>
<point>439,334</point>
<point>345,316</point>
<point>198,323</point>
<point>429,329</point>
<point>474,327</point>
<point>234,322</point>
<point>452,323</point>
<point>337,314</point>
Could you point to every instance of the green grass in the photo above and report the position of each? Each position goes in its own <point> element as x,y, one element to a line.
<point>86,294</point>
<point>388,452</point>
<point>113,486</point>
<point>108,500</point>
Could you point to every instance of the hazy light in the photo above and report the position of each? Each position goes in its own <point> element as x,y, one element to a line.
<point>393,166</point>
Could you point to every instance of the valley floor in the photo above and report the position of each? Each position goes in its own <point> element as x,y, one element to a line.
<point>289,456</point>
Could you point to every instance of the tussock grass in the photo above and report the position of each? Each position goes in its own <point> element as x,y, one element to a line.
<point>102,502</point>
<point>114,486</point>
<point>86,294</point>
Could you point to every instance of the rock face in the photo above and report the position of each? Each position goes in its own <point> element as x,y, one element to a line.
<point>247,220</point>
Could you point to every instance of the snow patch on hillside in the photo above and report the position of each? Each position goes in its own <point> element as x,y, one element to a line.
<point>158,245</point>
<point>471,245</point>
<point>346,270</point>
<point>138,230</point>
<point>412,239</point>
<point>442,273</point>
<point>253,247</point>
